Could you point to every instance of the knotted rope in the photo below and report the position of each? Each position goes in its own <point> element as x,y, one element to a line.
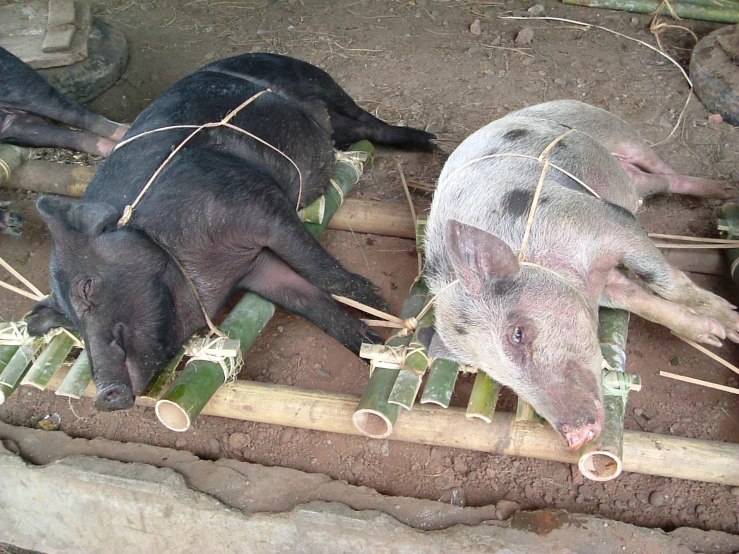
<point>212,350</point>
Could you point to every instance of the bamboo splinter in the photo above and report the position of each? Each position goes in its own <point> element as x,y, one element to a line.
<point>199,381</point>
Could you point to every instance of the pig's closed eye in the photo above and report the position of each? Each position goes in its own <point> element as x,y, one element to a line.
<point>85,288</point>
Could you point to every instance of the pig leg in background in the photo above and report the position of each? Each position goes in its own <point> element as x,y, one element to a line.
<point>653,176</point>
<point>10,222</point>
<point>271,278</point>
<point>30,130</point>
<point>621,292</point>
<point>22,88</point>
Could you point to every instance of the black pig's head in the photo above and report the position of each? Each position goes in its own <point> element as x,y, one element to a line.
<point>109,284</point>
<point>526,328</point>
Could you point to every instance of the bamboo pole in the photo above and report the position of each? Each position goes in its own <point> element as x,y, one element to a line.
<point>17,366</point>
<point>407,384</point>
<point>49,361</point>
<point>667,456</point>
<point>11,158</point>
<point>374,416</point>
<point>196,384</point>
<point>681,8</point>
<point>78,377</point>
<point>526,412</point>
<point>440,382</point>
<point>729,218</point>
<point>52,178</point>
<point>6,354</point>
<point>601,459</point>
<point>157,387</point>
<point>483,398</point>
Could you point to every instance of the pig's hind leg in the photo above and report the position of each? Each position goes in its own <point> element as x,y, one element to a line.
<point>651,175</point>
<point>686,299</point>
<point>621,292</point>
<point>271,278</point>
<point>354,124</point>
<point>30,130</point>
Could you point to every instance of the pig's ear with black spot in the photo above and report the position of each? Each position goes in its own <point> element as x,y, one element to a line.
<point>47,315</point>
<point>478,256</point>
<point>62,214</point>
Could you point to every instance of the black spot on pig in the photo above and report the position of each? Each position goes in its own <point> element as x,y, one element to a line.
<point>515,134</point>
<point>460,330</point>
<point>518,202</point>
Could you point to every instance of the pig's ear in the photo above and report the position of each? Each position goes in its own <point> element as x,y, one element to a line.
<point>62,214</point>
<point>47,315</point>
<point>478,256</point>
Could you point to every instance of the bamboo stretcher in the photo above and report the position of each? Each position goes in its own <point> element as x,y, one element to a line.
<point>389,398</point>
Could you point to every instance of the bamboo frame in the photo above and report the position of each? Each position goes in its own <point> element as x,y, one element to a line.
<point>667,456</point>
<point>49,361</point>
<point>483,398</point>
<point>439,387</point>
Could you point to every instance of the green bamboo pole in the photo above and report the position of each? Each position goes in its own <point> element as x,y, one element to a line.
<point>193,388</point>
<point>11,157</point>
<point>374,416</point>
<point>526,412</point>
<point>49,361</point>
<point>729,220</point>
<point>6,354</point>
<point>602,459</point>
<point>683,9</point>
<point>157,388</point>
<point>406,386</point>
<point>483,398</point>
<point>17,366</point>
<point>315,212</point>
<point>78,377</point>
<point>440,382</point>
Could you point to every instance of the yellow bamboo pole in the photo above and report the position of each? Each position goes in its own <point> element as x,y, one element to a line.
<point>681,458</point>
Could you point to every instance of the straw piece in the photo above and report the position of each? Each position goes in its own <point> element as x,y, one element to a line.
<point>724,388</point>
<point>687,10</point>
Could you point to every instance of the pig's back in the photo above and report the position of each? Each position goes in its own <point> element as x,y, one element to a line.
<point>483,185</point>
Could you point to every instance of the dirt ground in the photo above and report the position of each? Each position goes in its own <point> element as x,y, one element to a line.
<point>428,63</point>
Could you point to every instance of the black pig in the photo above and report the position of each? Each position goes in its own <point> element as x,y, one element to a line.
<point>26,98</point>
<point>223,209</point>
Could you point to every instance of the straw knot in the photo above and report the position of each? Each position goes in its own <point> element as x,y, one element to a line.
<point>219,350</point>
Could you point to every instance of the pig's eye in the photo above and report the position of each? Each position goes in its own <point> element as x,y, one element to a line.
<point>517,335</point>
<point>85,288</point>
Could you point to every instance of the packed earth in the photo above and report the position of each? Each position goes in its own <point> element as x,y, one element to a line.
<point>449,66</point>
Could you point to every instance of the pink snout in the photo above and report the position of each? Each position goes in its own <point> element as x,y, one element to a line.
<point>586,431</point>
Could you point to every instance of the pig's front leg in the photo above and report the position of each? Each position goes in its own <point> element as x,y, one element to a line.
<point>271,278</point>
<point>621,292</point>
<point>290,241</point>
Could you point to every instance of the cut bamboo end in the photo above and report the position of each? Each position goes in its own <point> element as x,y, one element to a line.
<point>600,465</point>
<point>483,398</point>
<point>440,382</point>
<point>373,423</point>
<point>405,389</point>
<point>11,157</point>
<point>172,415</point>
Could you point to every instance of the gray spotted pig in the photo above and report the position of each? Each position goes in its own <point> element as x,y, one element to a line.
<point>525,309</point>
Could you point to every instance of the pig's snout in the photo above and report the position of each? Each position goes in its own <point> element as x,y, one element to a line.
<point>586,431</point>
<point>117,396</point>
